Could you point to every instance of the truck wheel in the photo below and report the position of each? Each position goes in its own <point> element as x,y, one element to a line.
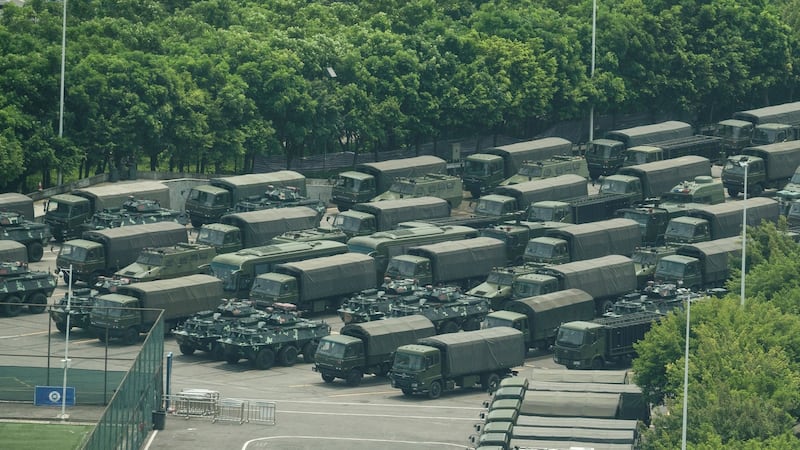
<point>62,327</point>
<point>407,392</point>
<point>309,350</point>
<point>35,252</point>
<point>187,349</point>
<point>101,336</point>
<point>472,325</point>
<point>231,358</point>
<point>328,378</point>
<point>597,363</point>
<point>265,359</point>
<point>12,310</point>
<point>756,191</point>
<point>66,276</point>
<point>288,355</point>
<point>130,337</point>
<point>435,390</point>
<point>197,223</point>
<point>37,303</point>
<point>354,377</point>
<point>733,193</point>
<point>217,352</point>
<point>449,327</point>
<point>383,370</point>
<point>490,382</point>
<point>605,306</point>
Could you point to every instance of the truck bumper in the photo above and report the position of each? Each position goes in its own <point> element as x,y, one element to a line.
<point>570,363</point>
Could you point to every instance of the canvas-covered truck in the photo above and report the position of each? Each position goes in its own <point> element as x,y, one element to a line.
<point>511,199</point>
<point>606,279</point>
<point>445,362</point>
<point>709,222</point>
<point>134,308</point>
<point>605,156</point>
<point>103,252</point>
<point>17,203</point>
<point>465,263</point>
<point>738,132</point>
<point>369,180</point>
<point>448,187</point>
<point>34,235</point>
<point>317,284</point>
<point>768,167</point>
<point>13,251</point>
<point>591,345</point>
<point>539,317</point>
<point>650,180</point>
<point>499,284</point>
<point>367,348</point>
<point>699,266</point>
<point>653,219</point>
<point>584,241</point>
<point>699,145</point>
<point>256,228</point>
<point>488,168</point>
<point>207,203</point>
<point>578,210</point>
<point>65,213</point>
<point>367,218</point>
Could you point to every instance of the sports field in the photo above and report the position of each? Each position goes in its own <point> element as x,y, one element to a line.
<point>35,436</point>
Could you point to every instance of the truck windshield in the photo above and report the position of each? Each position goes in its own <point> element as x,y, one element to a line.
<point>408,361</point>
<point>227,273</point>
<point>524,289</point>
<point>403,188</point>
<point>399,268</point>
<point>733,167</point>
<point>640,217</point>
<point>539,250</point>
<point>476,169</point>
<point>614,187</point>
<point>150,259</point>
<point>72,252</point>
<point>644,257</point>
<point>267,287</point>
<point>210,236</point>
<point>539,213</point>
<point>492,322</point>
<point>599,151</point>
<point>500,278</point>
<point>635,158</point>
<point>348,184</point>
<point>107,308</point>
<point>490,208</point>
<point>731,132</point>
<point>58,208</point>
<point>679,229</point>
<point>569,337</point>
<point>672,269</point>
<point>766,136</point>
<point>201,197</point>
<point>794,210</point>
<point>347,223</point>
<point>330,348</point>
<point>531,171</point>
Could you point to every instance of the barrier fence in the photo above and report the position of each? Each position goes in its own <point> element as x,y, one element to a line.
<point>202,403</point>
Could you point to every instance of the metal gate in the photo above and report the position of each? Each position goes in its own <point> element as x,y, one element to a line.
<point>208,404</point>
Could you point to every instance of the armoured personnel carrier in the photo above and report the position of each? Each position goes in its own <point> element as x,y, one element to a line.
<point>447,307</point>
<point>373,304</point>
<point>278,337</point>
<point>33,235</point>
<point>79,308</point>
<point>134,212</point>
<point>21,287</point>
<point>279,197</point>
<point>204,329</point>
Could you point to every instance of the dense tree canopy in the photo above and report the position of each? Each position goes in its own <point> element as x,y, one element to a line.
<point>208,85</point>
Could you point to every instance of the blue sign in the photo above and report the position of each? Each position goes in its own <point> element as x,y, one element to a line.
<point>53,396</point>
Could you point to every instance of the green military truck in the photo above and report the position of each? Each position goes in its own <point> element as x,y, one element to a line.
<point>13,251</point>
<point>739,131</point>
<point>238,270</point>
<point>369,180</point>
<point>172,261</point>
<point>17,203</point>
<point>517,234</point>
<point>134,308</point>
<point>512,199</point>
<point>207,203</point>
<point>33,235</point>
<point>651,180</point>
<point>703,190</point>
<point>548,168</point>
<point>538,318</point>
<point>103,252</point>
<point>256,228</point>
<point>485,170</point>
<point>133,212</point>
<point>367,348</point>
<point>699,266</point>
<point>584,241</point>
<point>768,167</point>
<point>367,218</point>
<point>317,284</point>
<point>578,210</point>
<point>709,222</point>
<point>499,284</point>
<point>447,187</point>
<point>700,145</point>
<point>445,362</point>
<point>65,213</point>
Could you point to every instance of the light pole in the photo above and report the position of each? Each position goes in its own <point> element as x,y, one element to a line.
<point>66,360</point>
<point>686,375</point>
<point>61,89</point>
<point>743,162</point>
<point>591,75</point>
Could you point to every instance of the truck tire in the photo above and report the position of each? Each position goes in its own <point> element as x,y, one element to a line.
<point>449,327</point>
<point>265,359</point>
<point>287,356</point>
<point>37,303</point>
<point>435,391</point>
<point>605,306</point>
<point>490,382</point>
<point>196,223</point>
<point>231,358</point>
<point>733,193</point>
<point>187,349</point>
<point>101,336</point>
<point>66,276</point>
<point>407,392</point>
<point>35,252</point>
<point>217,352</point>
<point>757,190</point>
<point>62,327</point>
<point>327,378</point>
<point>597,363</point>
<point>354,377</point>
<point>383,370</point>
<point>131,336</point>
<point>309,350</point>
<point>12,310</point>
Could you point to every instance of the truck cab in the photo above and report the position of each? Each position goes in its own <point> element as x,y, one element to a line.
<point>498,285</point>
<point>482,171</point>
<point>622,184</point>
<point>410,266</point>
<point>496,205</point>
<point>680,270</point>
<point>87,259</point>
<point>604,157</point>
<point>353,187</point>
<point>271,288</point>
<point>207,203</point>
<point>116,314</point>
<point>733,175</point>
<point>224,238</point>
<point>687,230</point>
<point>550,211</point>
<point>512,320</point>
<point>642,154</point>
<point>578,345</point>
<point>533,284</point>
<point>735,134</point>
<point>548,168</point>
<point>446,187</point>
<point>338,354</point>
<point>771,133</point>
<point>547,250</point>
<point>416,367</point>
<point>66,212</point>
<point>355,223</point>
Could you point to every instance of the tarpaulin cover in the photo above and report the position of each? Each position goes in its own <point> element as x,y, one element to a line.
<point>13,251</point>
<point>468,258</point>
<point>632,403</point>
<point>577,422</point>
<point>780,159</point>
<point>242,186</point>
<point>607,276</point>
<point>259,227</point>
<point>473,352</point>
<point>648,134</point>
<point>587,435</point>
<point>582,376</point>
<point>786,113</point>
<point>114,195</point>
<point>386,171</point>
<point>18,203</point>
<point>550,444</point>
<point>547,312</point>
<point>123,245</point>
<point>389,213</point>
<point>571,404</point>
<point>330,276</point>
<point>536,150</point>
<point>659,177</point>
<point>726,218</point>
<point>596,239</point>
<point>382,337</point>
<point>178,297</point>
<point>555,188</point>
<point>714,255</point>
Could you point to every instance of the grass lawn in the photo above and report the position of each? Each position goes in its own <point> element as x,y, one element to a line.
<point>35,436</point>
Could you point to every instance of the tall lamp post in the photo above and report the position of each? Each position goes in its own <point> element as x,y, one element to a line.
<point>61,89</point>
<point>686,376</point>
<point>743,162</point>
<point>591,75</point>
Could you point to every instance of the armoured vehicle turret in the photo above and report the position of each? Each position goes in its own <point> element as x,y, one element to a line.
<point>278,337</point>
<point>33,235</point>
<point>373,304</point>
<point>447,307</point>
<point>134,212</point>
<point>79,308</point>
<point>204,329</point>
<point>21,287</point>
<point>279,197</point>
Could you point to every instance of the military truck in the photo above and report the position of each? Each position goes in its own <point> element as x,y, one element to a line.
<point>539,317</point>
<point>65,213</point>
<point>317,284</point>
<point>78,308</point>
<point>33,235</point>
<point>280,337</point>
<point>464,263</point>
<point>134,308</point>
<point>703,190</point>
<point>172,261</point>
<point>447,307</point>
<point>133,212</point>
<point>207,203</point>
<point>256,228</point>
<point>701,265</point>
<point>103,252</point>
<point>498,287</point>
<point>238,270</point>
<point>772,133</point>
<point>591,345</point>
<point>21,287</point>
<point>737,132</point>
<point>719,221</point>
<point>654,218</point>
<point>17,203</point>
<point>585,209</point>
<point>768,167</point>
<point>789,193</point>
<point>606,156</point>
<point>447,187</point>
<point>487,169</point>
<point>650,180</point>
<point>367,218</point>
<point>585,241</point>
<point>605,279</point>
<point>442,363</point>
<point>202,330</point>
<point>548,168</point>
<point>517,234</point>
<point>511,199</point>
<point>699,145</point>
<point>645,261</point>
<point>13,251</point>
<point>369,180</point>
<point>279,197</point>
<point>367,348</point>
